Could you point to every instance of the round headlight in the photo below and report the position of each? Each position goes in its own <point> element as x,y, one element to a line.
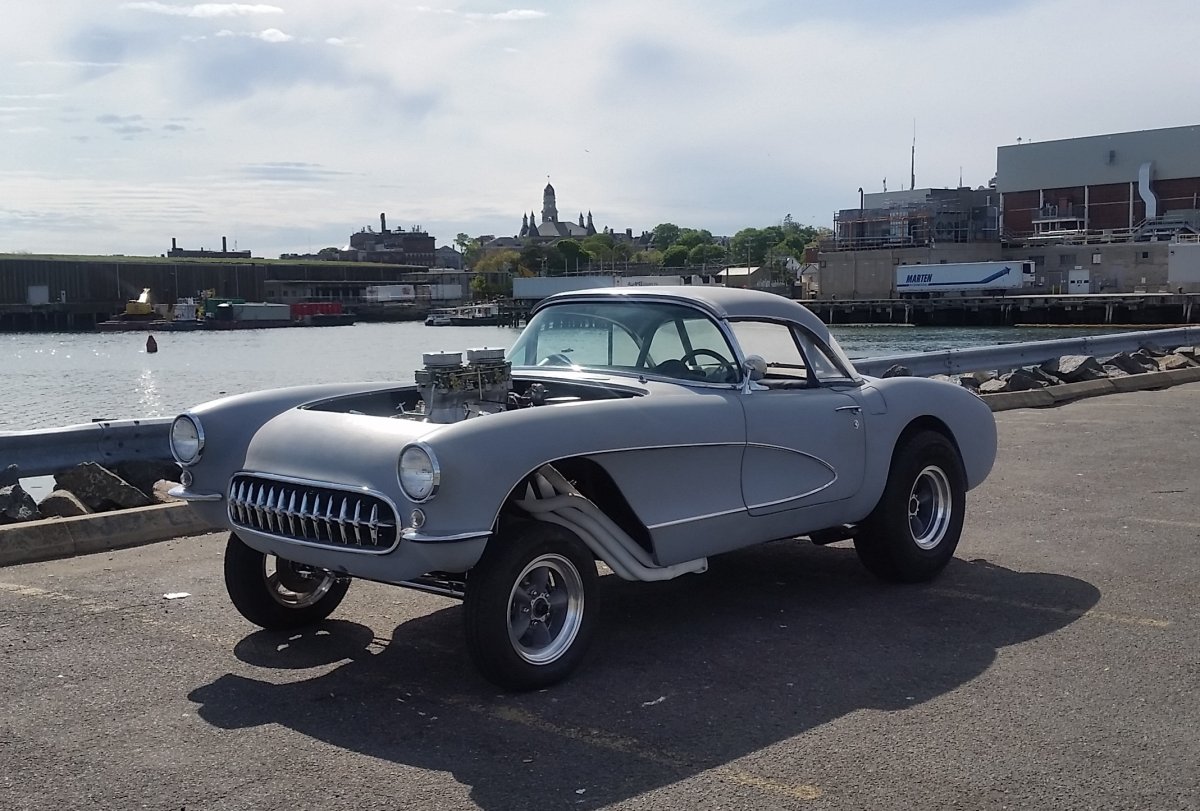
<point>419,473</point>
<point>187,439</point>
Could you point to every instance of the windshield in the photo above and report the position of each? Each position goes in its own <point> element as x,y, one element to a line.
<point>638,337</point>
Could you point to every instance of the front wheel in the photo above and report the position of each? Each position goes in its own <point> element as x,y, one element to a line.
<point>913,531</point>
<point>530,606</point>
<point>278,594</point>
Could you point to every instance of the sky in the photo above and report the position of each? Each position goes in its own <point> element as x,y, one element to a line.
<point>287,125</point>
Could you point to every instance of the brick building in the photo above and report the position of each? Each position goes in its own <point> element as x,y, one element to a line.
<point>1132,185</point>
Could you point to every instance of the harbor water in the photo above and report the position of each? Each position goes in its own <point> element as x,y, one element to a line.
<point>56,379</point>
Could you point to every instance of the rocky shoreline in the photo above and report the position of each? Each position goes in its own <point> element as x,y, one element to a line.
<point>88,489</point>
<point>1070,369</point>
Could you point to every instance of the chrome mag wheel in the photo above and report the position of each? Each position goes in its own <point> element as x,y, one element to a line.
<point>930,505</point>
<point>545,609</point>
<point>293,585</point>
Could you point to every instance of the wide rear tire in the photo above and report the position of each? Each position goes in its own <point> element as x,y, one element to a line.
<point>913,531</point>
<point>278,594</point>
<point>530,606</point>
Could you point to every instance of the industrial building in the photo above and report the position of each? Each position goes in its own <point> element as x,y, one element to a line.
<point>1118,206</point>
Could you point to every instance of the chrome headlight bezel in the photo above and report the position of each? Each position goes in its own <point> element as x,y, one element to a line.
<point>418,471</point>
<point>192,446</point>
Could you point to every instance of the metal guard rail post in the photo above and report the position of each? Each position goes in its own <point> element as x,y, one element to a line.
<point>1003,357</point>
<point>108,442</point>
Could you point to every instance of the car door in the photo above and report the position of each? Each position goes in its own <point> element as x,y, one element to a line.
<point>805,427</point>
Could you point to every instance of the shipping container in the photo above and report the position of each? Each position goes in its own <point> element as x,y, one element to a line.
<point>963,278</point>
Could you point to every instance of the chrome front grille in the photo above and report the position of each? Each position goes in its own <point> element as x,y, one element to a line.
<point>313,513</point>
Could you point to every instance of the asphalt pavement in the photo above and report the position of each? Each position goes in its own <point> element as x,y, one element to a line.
<point>1054,664</point>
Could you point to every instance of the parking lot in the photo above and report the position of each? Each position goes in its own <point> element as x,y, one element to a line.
<point>1055,664</point>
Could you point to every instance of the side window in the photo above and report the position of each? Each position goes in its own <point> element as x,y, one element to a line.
<point>692,349</point>
<point>598,345</point>
<point>828,366</point>
<point>774,343</point>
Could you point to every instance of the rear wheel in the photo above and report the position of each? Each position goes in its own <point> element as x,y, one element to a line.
<point>913,531</point>
<point>275,593</point>
<point>530,606</point>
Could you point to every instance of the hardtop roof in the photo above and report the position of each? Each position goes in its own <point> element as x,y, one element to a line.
<point>729,303</point>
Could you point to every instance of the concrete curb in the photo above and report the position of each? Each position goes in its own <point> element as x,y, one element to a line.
<point>51,538</point>
<point>1068,392</point>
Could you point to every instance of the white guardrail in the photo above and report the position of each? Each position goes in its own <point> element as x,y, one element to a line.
<point>1005,357</point>
<point>53,450</point>
<point>49,451</point>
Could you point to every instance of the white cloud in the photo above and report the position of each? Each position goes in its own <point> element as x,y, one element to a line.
<point>512,15</point>
<point>517,14</point>
<point>273,35</point>
<point>204,10</point>
<point>708,114</point>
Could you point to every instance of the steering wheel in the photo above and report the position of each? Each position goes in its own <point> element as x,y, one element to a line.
<point>731,372</point>
<point>557,359</point>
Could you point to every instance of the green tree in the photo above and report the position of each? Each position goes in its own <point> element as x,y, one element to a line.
<point>329,253</point>
<point>572,255</point>
<point>502,261</point>
<point>707,254</point>
<point>691,238</point>
<point>533,259</point>
<point>750,245</point>
<point>647,257</point>
<point>600,247</point>
<point>675,257</point>
<point>665,235</point>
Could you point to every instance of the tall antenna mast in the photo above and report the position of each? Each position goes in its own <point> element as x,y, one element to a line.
<point>912,182</point>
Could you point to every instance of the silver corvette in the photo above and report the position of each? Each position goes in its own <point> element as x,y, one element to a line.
<point>645,428</point>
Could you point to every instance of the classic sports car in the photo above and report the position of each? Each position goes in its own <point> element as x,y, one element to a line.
<point>644,427</point>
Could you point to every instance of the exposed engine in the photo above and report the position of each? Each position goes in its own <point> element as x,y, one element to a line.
<point>452,390</point>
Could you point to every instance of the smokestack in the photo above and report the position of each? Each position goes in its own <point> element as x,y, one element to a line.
<point>173,244</point>
<point>223,248</point>
<point>382,222</point>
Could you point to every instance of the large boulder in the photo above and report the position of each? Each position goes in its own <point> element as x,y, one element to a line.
<point>143,473</point>
<point>1130,364</point>
<point>897,371</point>
<point>100,489</point>
<point>1016,380</point>
<point>976,379</point>
<point>1074,368</point>
<point>1147,358</point>
<point>10,476</point>
<point>1175,361</point>
<point>160,492</point>
<point>17,505</point>
<point>1038,373</point>
<point>62,504</point>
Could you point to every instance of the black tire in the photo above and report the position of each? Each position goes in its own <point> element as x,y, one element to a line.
<point>544,576</point>
<point>913,531</point>
<point>281,599</point>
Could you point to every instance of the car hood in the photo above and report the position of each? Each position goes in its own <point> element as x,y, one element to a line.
<point>356,450</point>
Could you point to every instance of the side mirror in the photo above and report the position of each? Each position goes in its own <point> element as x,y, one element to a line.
<point>755,367</point>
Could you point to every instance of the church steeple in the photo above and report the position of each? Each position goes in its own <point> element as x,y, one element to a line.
<point>524,225</point>
<point>591,229</point>
<point>549,209</point>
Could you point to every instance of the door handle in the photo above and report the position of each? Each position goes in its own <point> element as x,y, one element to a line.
<point>854,408</point>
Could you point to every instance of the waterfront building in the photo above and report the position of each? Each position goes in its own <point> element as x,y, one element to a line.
<point>1122,209</point>
<point>184,253</point>
<point>393,246</point>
